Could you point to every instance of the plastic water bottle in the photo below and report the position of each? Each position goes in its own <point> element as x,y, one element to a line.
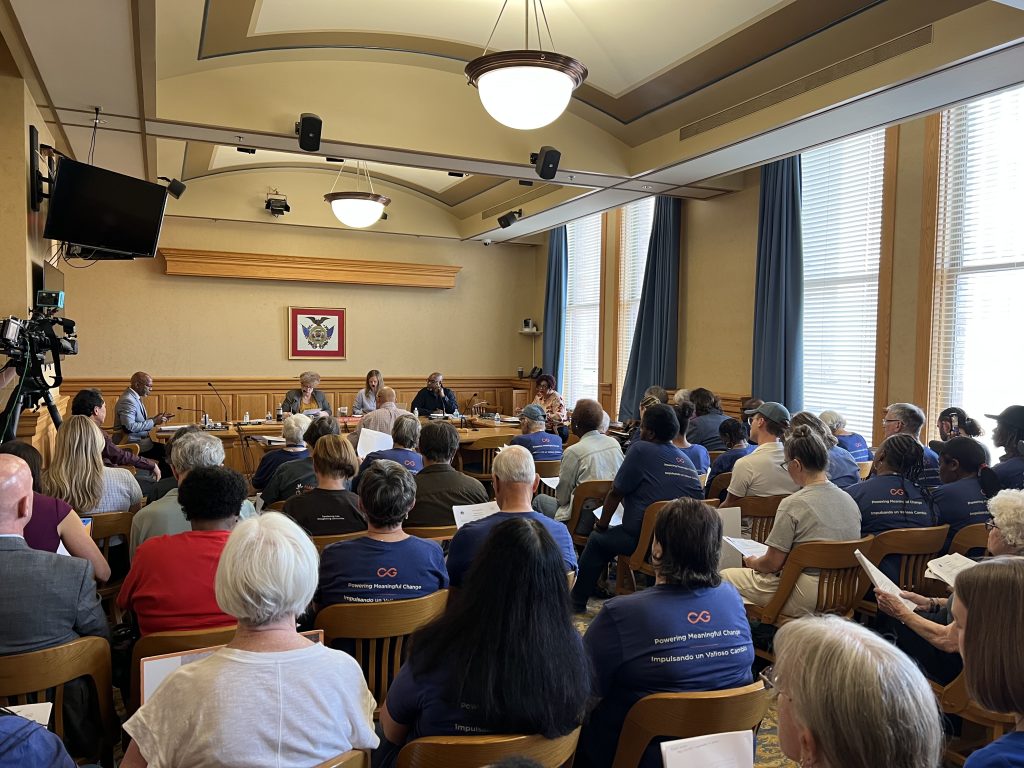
<point>245,418</point>
<point>269,417</point>
<point>416,412</point>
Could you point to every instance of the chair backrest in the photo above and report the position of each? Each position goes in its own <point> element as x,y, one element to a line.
<point>323,542</point>
<point>548,468</point>
<point>640,560</point>
<point>914,546</point>
<point>685,715</point>
<point>159,643</point>
<point>760,510</point>
<point>36,673</point>
<point>132,448</point>
<point>486,448</point>
<point>108,524</point>
<point>380,631</point>
<point>594,490</point>
<point>719,485</point>
<point>439,533</point>
<point>714,455</point>
<point>969,538</point>
<point>277,506</point>
<point>354,758</point>
<point>475,751</point>
<point>840,576</point>
<point>865,468</point>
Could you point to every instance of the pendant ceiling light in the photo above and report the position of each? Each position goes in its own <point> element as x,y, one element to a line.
<point>357,209</point>
<point>529,88</point>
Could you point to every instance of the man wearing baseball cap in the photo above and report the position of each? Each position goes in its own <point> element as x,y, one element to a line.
<point>545,446</point>
<point>1009,435</point>
<point>967,483</point>
<point>760,473</point>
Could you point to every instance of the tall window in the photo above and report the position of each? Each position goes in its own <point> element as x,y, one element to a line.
<point>582,310</point>
<point>634,237</point>
<point>841,224</point>
<point>976,360</point>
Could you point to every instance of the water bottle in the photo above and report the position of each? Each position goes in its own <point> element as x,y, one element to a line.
<point>416,412</point>
<point>269,417</point>
<point>206,420</point>
<point>280,413</point>
<point>245,418</point>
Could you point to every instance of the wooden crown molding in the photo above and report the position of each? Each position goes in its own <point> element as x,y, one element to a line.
<point>263,266</point>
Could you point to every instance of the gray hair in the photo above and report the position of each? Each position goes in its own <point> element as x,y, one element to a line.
<point>406,431</point>
<point>309,378</point>
<point>197,449</point>
<point>833,420</point>
<point>387,491</point>
<point>606,423</point>
<point>870,681</point>
<point>294,427</point>
<point>267,571</point>
<point>911,416</point>
<point>680,396</point>
<point>1007,510</point>
<point>514,464</point>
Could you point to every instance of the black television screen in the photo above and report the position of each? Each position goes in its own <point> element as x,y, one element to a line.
<point>110,213</point>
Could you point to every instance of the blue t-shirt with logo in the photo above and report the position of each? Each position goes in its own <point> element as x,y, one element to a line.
<point>699,457</point>
<point>543,445</point>
<point>887,502</point>
<point>1007,752</point>
<point>960,503</point>
<point>663,639</point>
<point>856,445</point>
<point>471,537</point>
<point>842,469</point>
<point>411,460</point>
<point>929,477</point>
<point>1010,472</point>
<point>653,472</point>
<point>367,570</point>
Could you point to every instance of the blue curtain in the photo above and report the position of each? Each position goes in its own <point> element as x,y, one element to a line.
<point>552,358</point>
<point>652,357</point>
<point>778,306</point>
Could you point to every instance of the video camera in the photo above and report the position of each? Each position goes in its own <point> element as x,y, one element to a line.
<point>26,343</point>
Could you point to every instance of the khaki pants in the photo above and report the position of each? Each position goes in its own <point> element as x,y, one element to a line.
<point>759,588</point>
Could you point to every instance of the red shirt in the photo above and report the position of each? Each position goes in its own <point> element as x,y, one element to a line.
<point>170,584</point>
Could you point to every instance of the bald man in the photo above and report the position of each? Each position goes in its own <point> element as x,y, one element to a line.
<point>132,421</point>
<point>381,420</point>
<point>434,398</point>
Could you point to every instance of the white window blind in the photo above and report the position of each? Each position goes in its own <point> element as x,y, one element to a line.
<point>582,310</point>
<point>977,361</point>
<point>841,224</point>
<point>634,237</point>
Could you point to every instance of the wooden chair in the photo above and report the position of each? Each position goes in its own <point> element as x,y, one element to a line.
<point>639,560</point>
<point>865,468</point>
<point>380,631</point>
<point>354,758</point>
<point>839,581</point>
<point>159,643</point>
<point>594,490</point>
<point>130,447</point>
<point>719,485</point>
<point>475,751</point>
<point>438,533</point>
<point>323,542</point>
<point>955,700</point>
<point>760,511</point>
<point>548,468</point>
<point>685,715</point>
<point>277,506</point>
<point>914,547</point>
<point>969,538</point>
<point>484,449</point>
<point>105,526</point>
<point>40,672</point>
<point>714,455</point>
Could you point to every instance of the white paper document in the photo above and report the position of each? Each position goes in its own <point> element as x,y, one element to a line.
<point>37,713</point>
<point>616,515</point>
<point>470,512</point>
<point>880,580</point>
<point>170,427</point>
<point>370,440</point>
<point>746,547</point>
<point>947,567</point>
<point>270,439</point>
<point>550,482</point>
<point>717,750</point>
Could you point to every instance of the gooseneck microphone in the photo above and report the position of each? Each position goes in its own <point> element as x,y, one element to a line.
<point>210,385</point>
<point>190,410</point>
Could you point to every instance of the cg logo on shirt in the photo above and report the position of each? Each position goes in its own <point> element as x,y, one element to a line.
<point>409,463</point>
<point>896,492</point>
<point>698,618</point>
<point>390,572</point>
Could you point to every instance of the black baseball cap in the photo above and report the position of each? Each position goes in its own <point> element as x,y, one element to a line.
<point>1013,416</point>
<point>969,452</point>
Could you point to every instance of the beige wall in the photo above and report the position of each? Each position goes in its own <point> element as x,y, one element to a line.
<point>132,316</point>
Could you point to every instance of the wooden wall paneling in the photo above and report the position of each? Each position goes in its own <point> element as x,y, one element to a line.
<point>520,399</point>
<point>256,403</point>
<point>170,403</point>
<point>211,404</point>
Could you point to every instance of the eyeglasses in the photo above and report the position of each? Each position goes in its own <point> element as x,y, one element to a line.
<point>990,525</point>
<point>433,381</point>
<point>785,464</point>
<point>891,421</point>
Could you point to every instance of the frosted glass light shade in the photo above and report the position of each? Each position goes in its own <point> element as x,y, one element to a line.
<point>357,209</point>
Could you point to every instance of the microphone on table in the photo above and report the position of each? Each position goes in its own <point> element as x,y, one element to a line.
<point>210,385</point>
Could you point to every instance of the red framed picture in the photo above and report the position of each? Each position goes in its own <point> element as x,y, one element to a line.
<point>316,332</point>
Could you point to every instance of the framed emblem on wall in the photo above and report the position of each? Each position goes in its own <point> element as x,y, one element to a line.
<point>316,332</point>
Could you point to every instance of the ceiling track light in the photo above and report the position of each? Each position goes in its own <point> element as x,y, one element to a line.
<point>174,187</point>
<point>357,209</point>
<point>528,88</point>
<point>507,220</point>
<point>277,204</point>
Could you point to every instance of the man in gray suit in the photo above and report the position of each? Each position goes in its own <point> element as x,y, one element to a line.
<point>46,599</point>
<point>132,423</point>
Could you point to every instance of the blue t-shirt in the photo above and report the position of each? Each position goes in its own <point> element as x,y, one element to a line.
<point>727,461</point>
<point>543,445</point>
<point>1007,752</point>
<point>470,539</point>
<point>699,457</point>
<point>26,743</point>
<point>887,502</point>
<point>408,459</point>
<point>653,472</point>
<point>663,639</point>
<point>960,503</point>
<point>1010,472</point>
<point>856,445</point>
<point>271,461</point>
<point>366,570</point>
<point>842,469</point>
<point>929,477</point>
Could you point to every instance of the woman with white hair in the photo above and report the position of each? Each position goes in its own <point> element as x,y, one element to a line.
<point>270,697</point>
<point>851,441</point>
<point>849,699</point>
<point>295,448</point>
<point>307,397</point>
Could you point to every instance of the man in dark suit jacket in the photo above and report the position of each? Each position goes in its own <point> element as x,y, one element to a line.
<point>47,599</point>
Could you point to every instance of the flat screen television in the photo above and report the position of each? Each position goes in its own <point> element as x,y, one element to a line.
<point>110,215</point>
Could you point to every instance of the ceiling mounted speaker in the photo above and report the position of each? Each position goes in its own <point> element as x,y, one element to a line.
<point>308,130</point>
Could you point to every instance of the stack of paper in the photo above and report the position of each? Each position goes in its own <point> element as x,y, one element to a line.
<point>370,440</point>
<point>717,750</point>
<point>616,515</point>
<point>880,580</point>
<point>550,482</point>
<point>947,567</point>
<point>470,512</point>
<point>39,713</point>
<point>746,547</point>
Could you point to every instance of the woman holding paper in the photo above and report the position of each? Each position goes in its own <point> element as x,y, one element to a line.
<point>819,511</point>
<point>307,397</point>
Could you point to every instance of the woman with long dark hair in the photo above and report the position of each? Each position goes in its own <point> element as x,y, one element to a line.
<point>505,658</point>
